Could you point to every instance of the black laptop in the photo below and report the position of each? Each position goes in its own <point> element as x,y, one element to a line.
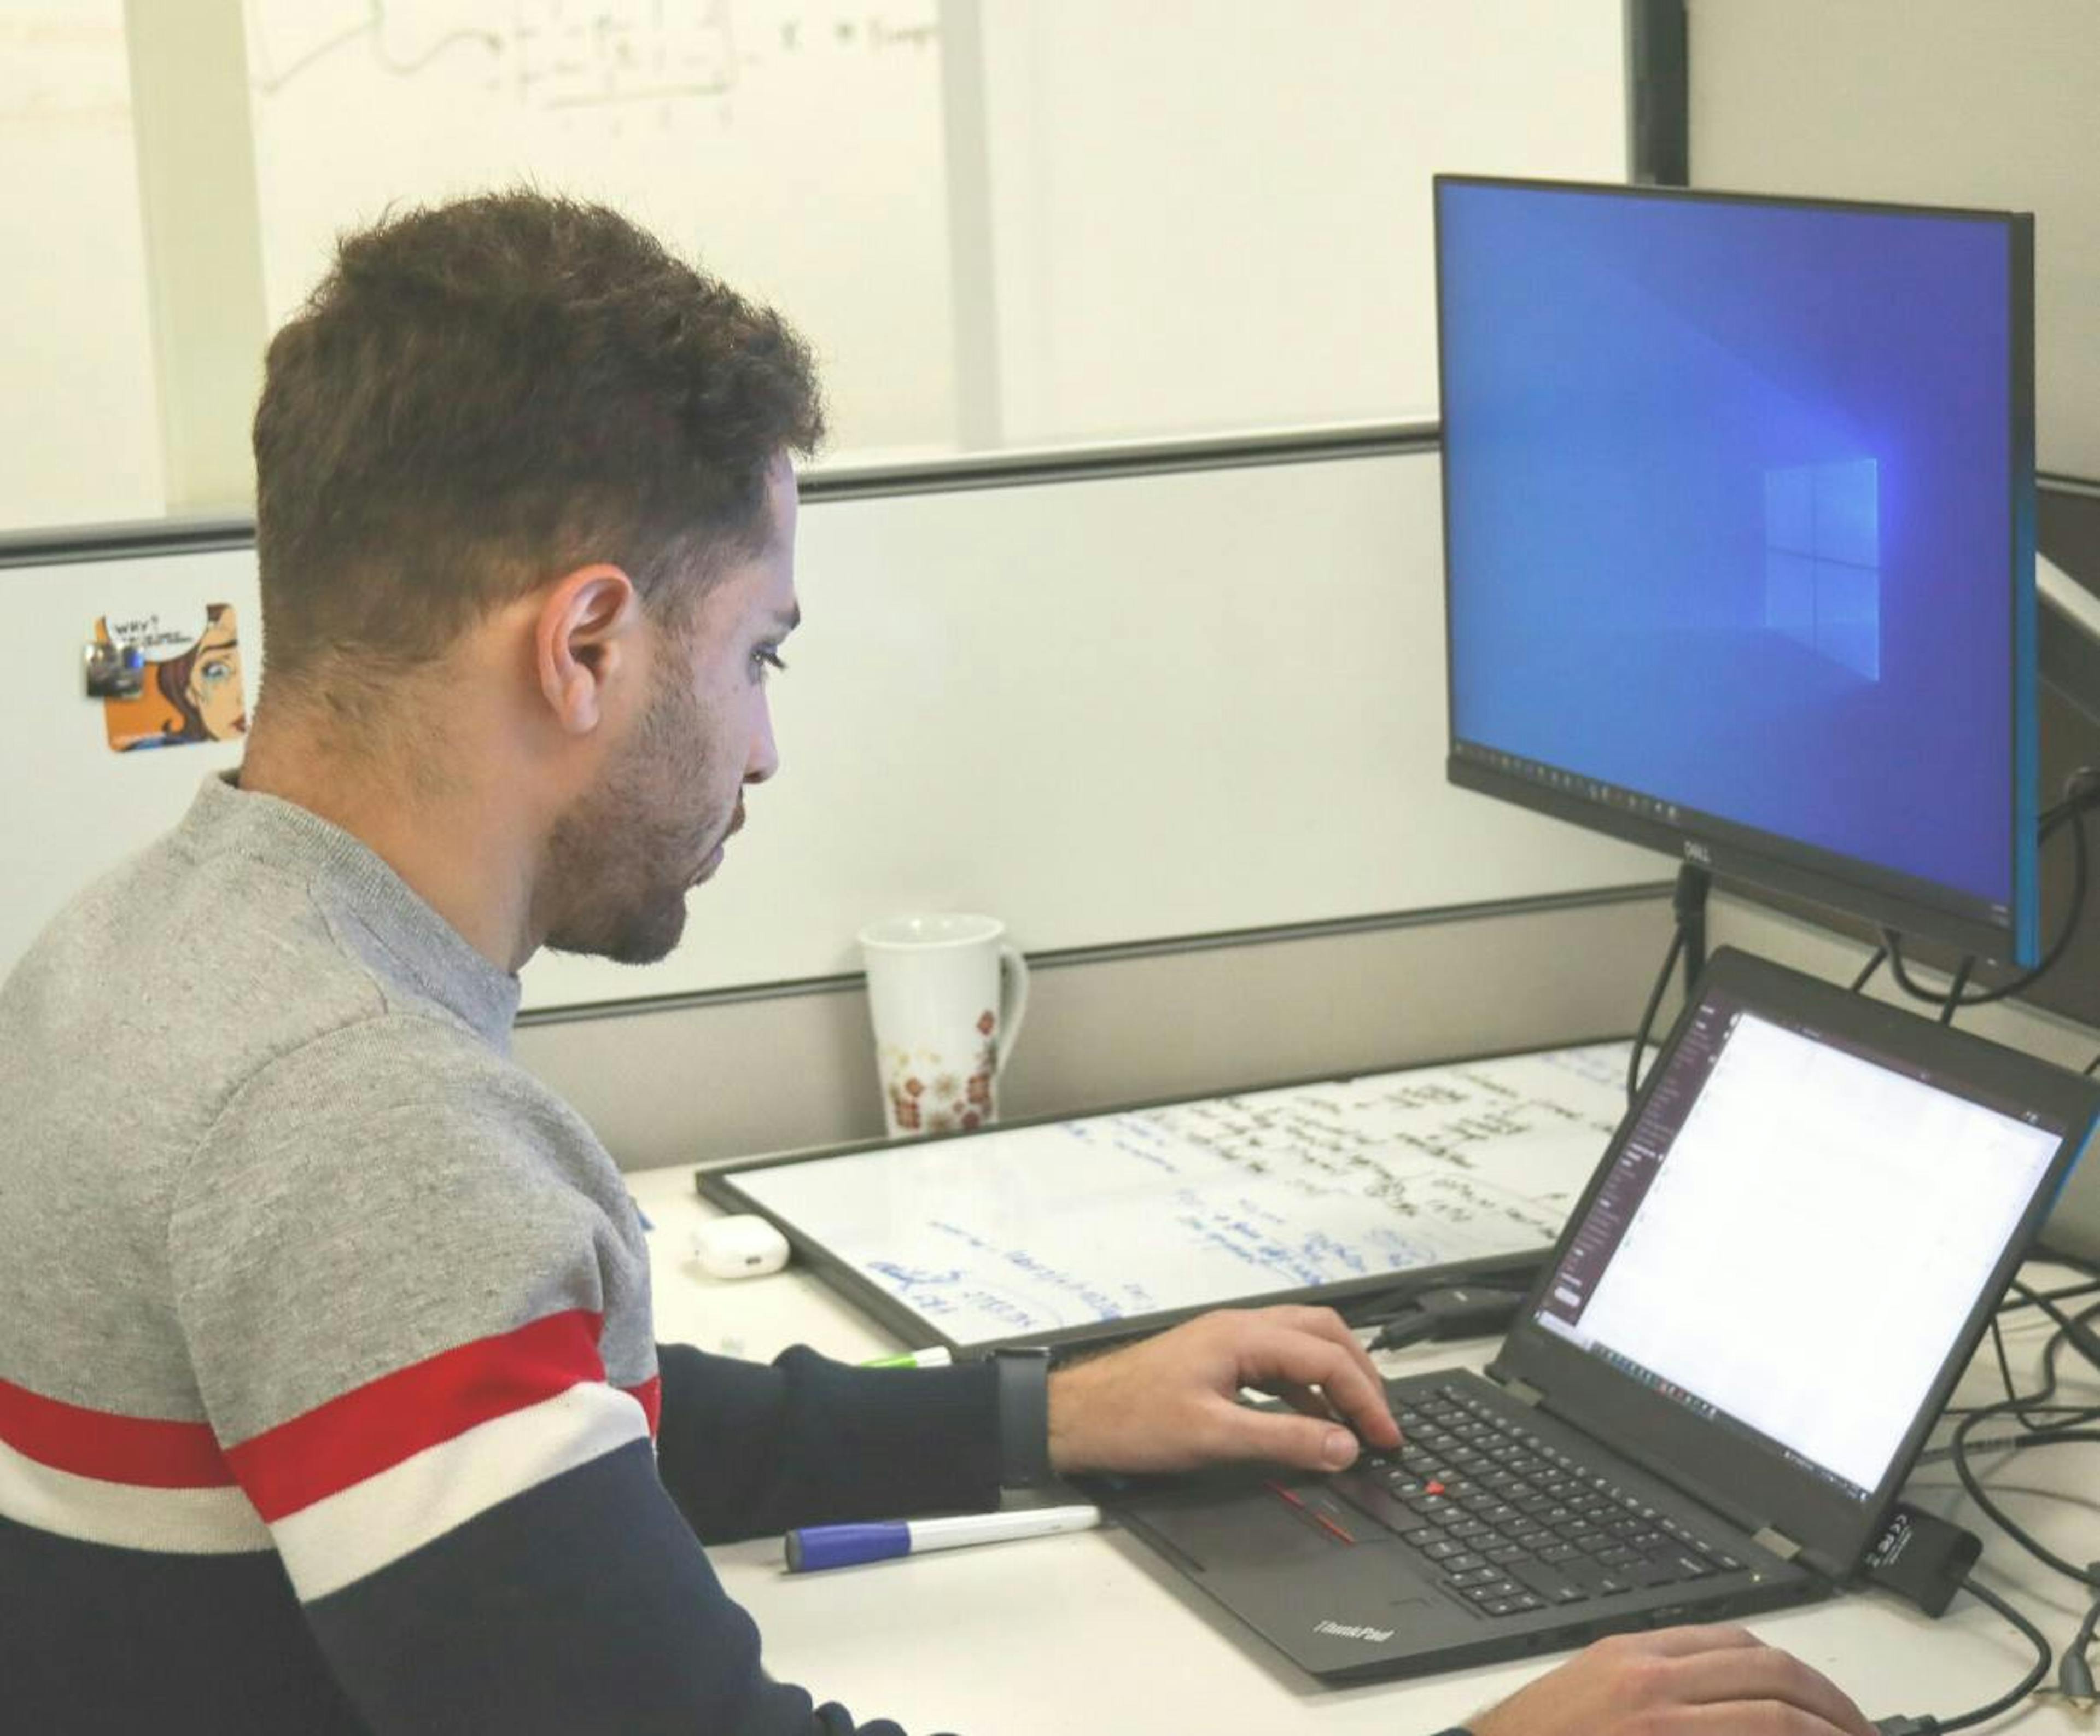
<point>1775,1276</point>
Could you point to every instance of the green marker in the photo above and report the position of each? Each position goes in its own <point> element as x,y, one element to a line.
<point>936,1357</point>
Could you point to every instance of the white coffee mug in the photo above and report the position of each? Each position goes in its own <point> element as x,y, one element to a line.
<point>945,994</point>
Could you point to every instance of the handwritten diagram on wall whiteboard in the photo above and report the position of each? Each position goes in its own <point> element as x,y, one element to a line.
<point>1030,1234</point>
<point>794,147</point>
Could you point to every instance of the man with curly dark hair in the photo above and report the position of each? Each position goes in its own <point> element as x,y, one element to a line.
<point>334,1404</point>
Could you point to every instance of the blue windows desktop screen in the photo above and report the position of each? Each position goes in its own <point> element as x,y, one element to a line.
<point>1738,529</point>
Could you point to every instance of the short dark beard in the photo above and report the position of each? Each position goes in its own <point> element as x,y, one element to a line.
<point>606,892</point>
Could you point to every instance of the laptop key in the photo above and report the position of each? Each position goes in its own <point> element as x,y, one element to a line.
<point>1549,1583</point>
<point>1600,1582</point>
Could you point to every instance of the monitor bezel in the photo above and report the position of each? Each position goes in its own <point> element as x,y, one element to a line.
<point>1756,1486</point>
<point>1750,856</point>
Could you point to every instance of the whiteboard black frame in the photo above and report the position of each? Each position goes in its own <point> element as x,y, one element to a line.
<point>1356,1299</point>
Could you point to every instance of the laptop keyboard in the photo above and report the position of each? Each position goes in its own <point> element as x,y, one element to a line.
<point>1508,1523</point>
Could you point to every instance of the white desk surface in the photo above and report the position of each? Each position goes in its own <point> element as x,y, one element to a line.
<point>1085,1633</point>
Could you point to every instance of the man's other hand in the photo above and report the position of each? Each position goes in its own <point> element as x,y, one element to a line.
<point>1171,1403</point>
<point>1678,1682</point>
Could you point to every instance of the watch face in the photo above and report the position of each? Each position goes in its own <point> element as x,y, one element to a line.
<point>1024,1415</point>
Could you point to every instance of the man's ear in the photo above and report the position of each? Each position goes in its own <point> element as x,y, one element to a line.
<point>586,642</point>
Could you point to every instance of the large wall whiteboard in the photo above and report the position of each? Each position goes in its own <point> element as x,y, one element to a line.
<point>794,147</point>
<point>1105,710</point>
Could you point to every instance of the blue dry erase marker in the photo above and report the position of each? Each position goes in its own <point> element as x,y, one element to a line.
<point>816,1546</point>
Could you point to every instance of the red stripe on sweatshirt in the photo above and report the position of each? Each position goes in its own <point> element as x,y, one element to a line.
<point>146,1451</point>
<point>373,1427</point>
<point>650,1396</point>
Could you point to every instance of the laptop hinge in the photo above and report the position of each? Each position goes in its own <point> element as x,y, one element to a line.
<point>1776,1541</point>
<point>1523,1392</point>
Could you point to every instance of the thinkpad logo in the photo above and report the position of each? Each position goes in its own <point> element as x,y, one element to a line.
<point>1343,1631</point>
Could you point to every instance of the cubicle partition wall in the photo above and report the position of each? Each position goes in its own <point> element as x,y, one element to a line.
<point>1175,715</point>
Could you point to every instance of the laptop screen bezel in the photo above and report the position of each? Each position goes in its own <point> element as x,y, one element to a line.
<point>1753,1484</point>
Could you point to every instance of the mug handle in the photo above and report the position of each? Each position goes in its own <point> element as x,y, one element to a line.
<point>1013,1000</point>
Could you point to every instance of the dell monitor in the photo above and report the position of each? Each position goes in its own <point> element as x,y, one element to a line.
<point>1739,538</point>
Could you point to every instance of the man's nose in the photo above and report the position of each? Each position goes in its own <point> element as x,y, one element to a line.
<point>764,757</point>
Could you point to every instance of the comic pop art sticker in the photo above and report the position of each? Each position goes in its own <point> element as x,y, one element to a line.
<point>192,689</point>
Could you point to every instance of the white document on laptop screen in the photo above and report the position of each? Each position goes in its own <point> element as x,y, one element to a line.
<point>1812,1243</point>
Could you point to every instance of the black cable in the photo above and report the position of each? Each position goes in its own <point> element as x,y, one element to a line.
<point>2005,1373</point>
<point>2027,1684</point>
<point>2074,1678</point>
<point>2037,1401</point>
<point>1954,989</point>
<point>2077,1327</point>
<point>2066,1416</point>
<point>2034,1298</point>
<point>2071,1425</point>
<point>2019,1403</point>
<point>1648,1016</point>
<point>2060,1436</point>
<point>1874,964</point>
<point>2071,809</point>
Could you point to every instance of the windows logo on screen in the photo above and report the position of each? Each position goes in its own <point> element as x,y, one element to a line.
<point>1822,560</point>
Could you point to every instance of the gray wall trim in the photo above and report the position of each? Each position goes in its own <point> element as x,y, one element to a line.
<point>1023,468</point>
<point>736,1077</point>
<point>1005,469</point>
<point>98,542</point>
<point>1120,952</point>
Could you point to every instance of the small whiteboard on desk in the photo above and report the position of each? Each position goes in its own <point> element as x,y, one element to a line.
<point>1059,1231</point>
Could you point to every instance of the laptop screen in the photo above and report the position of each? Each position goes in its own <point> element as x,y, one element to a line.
<point>1794,1235</point>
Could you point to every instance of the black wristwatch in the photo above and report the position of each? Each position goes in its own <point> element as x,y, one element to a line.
<point>1024,1415</point>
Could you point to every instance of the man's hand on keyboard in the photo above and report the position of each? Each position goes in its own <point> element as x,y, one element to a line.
<point>1678,1682</point>
<point>1171,1403</point>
